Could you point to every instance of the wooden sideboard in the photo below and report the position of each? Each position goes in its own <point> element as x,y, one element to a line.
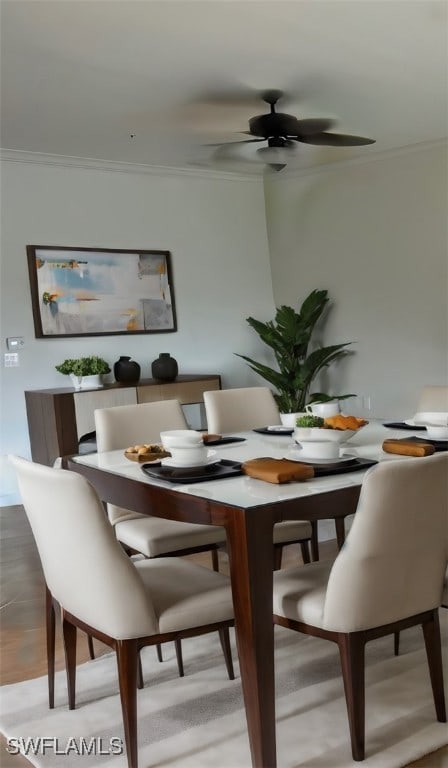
<point>59,418</point>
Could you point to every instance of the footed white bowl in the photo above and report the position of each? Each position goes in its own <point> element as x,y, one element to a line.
<point>320,449</point>
<point>180,438</point>
<point>437,431</point>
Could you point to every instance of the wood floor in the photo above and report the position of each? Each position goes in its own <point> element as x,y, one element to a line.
<point>22,637</point>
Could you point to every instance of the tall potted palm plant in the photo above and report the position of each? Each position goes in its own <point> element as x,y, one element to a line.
<point>289,336</point>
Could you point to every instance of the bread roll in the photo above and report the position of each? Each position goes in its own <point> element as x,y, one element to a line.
<point>408,448</point>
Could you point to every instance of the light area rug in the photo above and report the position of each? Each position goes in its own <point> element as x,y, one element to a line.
<point>198,721</point>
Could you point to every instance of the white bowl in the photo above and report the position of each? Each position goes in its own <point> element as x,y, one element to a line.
<point>320,449</point>
<point>181,438</point>
<point>305,434</point>
<point>437,431</point>
<point>437,418</point>
<point>189,456</point>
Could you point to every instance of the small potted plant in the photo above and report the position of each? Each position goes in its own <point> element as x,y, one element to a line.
<point>85,372</point>
<point>289,336</point>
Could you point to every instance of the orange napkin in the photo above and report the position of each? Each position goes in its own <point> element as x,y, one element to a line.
<point>406,447</point>
<point>277,470</point>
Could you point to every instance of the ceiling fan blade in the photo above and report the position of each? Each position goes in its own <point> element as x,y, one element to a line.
<point>229,143</point>
<point>277,166</point>
<point>335,140</point>
<point>313,125</point>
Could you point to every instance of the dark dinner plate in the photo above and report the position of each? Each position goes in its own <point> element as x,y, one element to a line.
<point>439,445</point>
<point>403,425</point>
<point>281,432</point>
<point>340,467</point>
<point>223,468</point>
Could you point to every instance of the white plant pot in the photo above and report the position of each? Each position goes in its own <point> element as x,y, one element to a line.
<point>87,382</point>
<point>289,419</point>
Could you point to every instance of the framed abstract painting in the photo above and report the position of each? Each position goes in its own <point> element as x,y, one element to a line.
<point>100,291</point>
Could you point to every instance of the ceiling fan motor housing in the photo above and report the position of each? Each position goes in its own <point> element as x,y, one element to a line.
<point>274,124</point>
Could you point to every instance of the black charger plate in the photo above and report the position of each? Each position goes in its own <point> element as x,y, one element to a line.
<point>403,425</point>
<point>439,445</point>
<point>223,468</point>
<point>283,432</point>
<point>340,467</point>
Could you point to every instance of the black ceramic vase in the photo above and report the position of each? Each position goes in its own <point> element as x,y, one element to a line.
<point>126,370</point>
<point>164,368</point>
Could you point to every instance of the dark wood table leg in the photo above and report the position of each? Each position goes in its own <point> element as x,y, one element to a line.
<point>249,540</point>
<point>340,530</point>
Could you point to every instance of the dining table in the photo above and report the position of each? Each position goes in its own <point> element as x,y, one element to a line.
<point>247,508</point>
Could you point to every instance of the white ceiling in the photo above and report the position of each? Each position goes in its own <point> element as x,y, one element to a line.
<point>80,76</point>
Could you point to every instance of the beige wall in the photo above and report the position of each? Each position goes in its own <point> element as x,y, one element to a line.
<point>375,235</point>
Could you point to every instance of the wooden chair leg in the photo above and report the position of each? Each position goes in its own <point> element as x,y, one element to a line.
<point>127,662</point>
<point>90,646</point>
<point>159,652</point>
<point>180,661</point>
<point>431,633</point>
<point>224,637</point>
<point>50,619</point>
<point>215,560</point>
<point>140,683</point>
<point>396,643</point>
<point>314,542</point>
<point>305,551</point>
<point>351,651</point>
<point>340,531</point>
<point>69,637</point>
<point>278,552</point>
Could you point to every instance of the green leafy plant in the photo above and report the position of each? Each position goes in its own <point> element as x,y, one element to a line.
<point>84,366</point>
<point>289,336</point>
<point>310,421</point>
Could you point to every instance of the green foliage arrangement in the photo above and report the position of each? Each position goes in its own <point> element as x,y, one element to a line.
<point>84,366</point>
<point>310,421</point>
<point>289,336</point>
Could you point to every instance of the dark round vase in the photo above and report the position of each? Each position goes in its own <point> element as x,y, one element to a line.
<point>126,370</point>
<point>164,368</point>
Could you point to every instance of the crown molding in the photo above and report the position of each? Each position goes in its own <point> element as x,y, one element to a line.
<point>373,157</point>
<point>67,161</point>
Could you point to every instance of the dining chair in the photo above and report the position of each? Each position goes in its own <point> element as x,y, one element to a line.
<point>240,409</point>
<point>388,576</point>
<point>433,398</point>
<point>123,603</point>
<point>125,425</point>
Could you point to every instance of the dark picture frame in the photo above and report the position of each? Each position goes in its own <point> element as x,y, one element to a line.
<point>100,291</point>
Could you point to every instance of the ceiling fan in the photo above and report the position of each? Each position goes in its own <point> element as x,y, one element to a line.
<point>282,132</point>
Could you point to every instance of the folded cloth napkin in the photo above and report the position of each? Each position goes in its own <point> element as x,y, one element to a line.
<point>277,470</point>
<point>407,448</point>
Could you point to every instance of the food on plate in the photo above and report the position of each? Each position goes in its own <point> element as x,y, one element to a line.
<point>344,422</point>
<point>146,452</point>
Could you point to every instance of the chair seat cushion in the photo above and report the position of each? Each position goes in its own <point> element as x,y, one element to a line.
<point>299,593</point>
<point>291,530</point>
<point>154,536</point>
<point>185,595</point>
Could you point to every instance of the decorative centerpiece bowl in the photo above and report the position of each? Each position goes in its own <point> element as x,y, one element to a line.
<point>319,434</point>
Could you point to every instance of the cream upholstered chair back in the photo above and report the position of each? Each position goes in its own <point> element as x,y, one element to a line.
<point>230,410</point>
<point>85,568</point>
<point>393,562</point>
<point>433,398</point>
<point>125,425</point>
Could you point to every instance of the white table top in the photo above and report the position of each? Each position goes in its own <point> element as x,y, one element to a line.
<point>244,491</point>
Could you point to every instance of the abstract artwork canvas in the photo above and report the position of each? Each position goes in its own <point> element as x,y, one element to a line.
<point>98,291</point>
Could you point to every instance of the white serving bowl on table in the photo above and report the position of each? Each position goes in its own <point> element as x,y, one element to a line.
<point>434,418</point>
<point>320,449</point>
<point>437,431</point>
<point>319,434</point>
